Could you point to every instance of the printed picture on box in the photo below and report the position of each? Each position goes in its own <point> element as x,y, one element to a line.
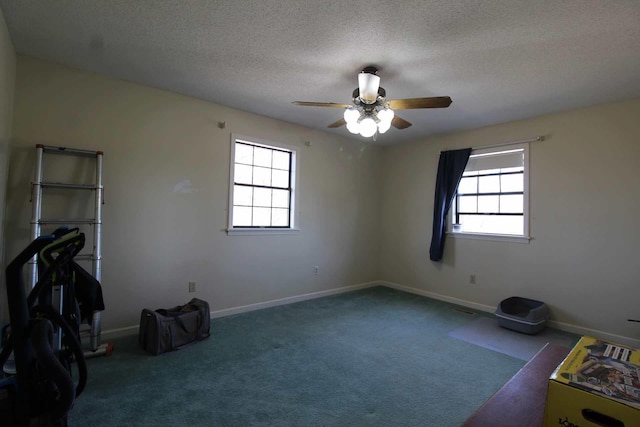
<point>607,370</point>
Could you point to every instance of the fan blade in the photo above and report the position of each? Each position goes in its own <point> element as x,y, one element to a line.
<point>337,124</point>
<point>411,103</point>
<point>399,123</point>
<point>320,104</point>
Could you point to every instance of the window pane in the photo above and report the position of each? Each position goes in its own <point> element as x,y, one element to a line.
<point>489,184</point>
<point>262,217</point>
<point>242,174</point>
<point>471,223</point>
<point>510,225</point>
<point>511,203</point>
<point>512,182</point>
<point>468,203</point>
<point>280,217</point>
<point>488,204</point>
<point>281,160</point>
<point>492,224</point>
<point>241,216</point>
<point>280,179</point>
<point>244,154</point>
<point>262,157</point>
<point>280,198</point>
<point>262,197</point>
<point>468,185</point>
<point>261,176</point>
<point>242,195</point>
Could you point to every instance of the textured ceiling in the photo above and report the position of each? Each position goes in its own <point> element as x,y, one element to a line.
<point>499,60</point>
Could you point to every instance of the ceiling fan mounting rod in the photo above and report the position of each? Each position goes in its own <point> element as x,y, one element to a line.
<point>370,69</point>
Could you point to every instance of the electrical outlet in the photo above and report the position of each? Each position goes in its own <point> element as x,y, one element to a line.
<point>472,279</point>
<point>316,270</point>
<point>192,286</point>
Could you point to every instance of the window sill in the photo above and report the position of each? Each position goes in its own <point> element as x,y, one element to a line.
<point>261,231</point>
<point>493,237</point>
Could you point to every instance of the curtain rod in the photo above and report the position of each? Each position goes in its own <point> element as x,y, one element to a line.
<point>534,139</point>
<point>522,141</point>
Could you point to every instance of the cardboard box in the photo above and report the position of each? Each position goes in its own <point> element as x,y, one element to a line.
<point>598,384</point>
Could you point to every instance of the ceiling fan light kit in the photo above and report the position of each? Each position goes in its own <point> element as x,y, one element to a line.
<point>371,113</point>
<point>368,121</point>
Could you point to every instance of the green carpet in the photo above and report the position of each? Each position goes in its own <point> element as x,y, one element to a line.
<point>376,357</point>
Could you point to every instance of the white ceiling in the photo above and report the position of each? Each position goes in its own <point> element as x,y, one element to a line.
<point>499,60</point>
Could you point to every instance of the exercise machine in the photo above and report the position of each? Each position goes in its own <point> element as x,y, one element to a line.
<point>44,338</point>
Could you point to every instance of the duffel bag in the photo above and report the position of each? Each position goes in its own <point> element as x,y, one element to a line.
<point>165,330</point>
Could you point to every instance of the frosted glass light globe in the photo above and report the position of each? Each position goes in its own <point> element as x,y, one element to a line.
<point>367,127</point>
<point>351,115</point>
<point>353,127</point>
<point>384,126</point>
<point>386,115</point>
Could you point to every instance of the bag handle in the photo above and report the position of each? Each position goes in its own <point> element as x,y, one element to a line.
<point>176,317</point>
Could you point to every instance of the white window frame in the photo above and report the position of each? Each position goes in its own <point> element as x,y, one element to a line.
<point>293,176</point>
<point>525,237</point>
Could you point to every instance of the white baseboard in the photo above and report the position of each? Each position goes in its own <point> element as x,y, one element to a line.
<point>290,300</point>
<point>575,329</point>
<point>567,327</point>
<point>606,336</point>
<point>129,330</point>
<point>445,298</point>
<point>118,332</point>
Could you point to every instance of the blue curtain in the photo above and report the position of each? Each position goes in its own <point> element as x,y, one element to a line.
<point>450,169</point>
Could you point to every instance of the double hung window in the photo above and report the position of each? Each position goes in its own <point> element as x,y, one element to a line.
<point>262,192</point>
<point>492,197</point>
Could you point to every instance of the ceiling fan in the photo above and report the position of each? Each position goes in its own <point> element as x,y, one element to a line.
<point>371,113</point>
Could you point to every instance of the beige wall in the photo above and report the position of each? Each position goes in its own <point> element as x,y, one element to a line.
<point>585,204</point>
<point>354,199</point>
<point>7,82</point>
<point>156,240</point>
